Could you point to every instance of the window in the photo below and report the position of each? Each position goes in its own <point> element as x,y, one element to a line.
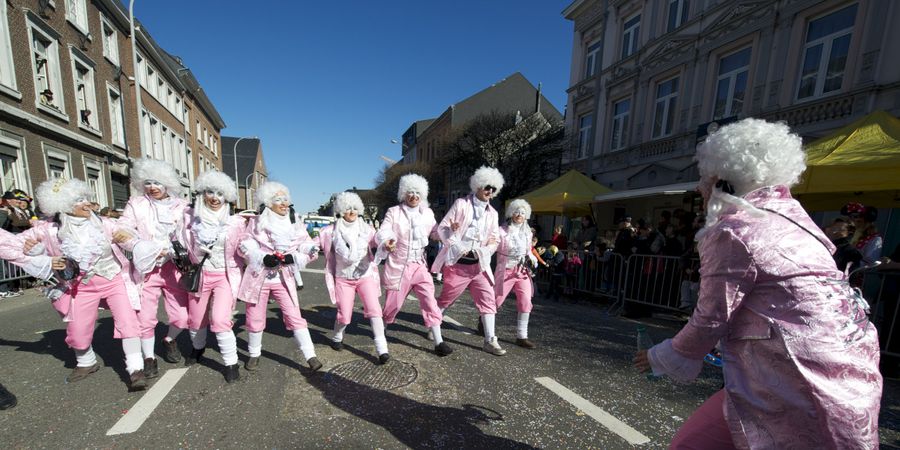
<point>678,13</point>
<point>12,170</point>
<point>96,181</point>
<point>215,146</point>
<point>165,143</point>
<point>731,85</point>
<point>151,81</point>
<point>161,91</point>
<point>205,138</point>
<point>825,53</point>
<point>179,110</point>
<point>110,41</point>
<point>85,93</point>
<point>585,124</point>
<point>57,163</point>
<point>666,100</point>
<point>142,70</point>
<point>152,145</point>
<point>116,116</point>
<point>621,113</point>
<point>632,28</point>
<point>592,59</point>
<point>76,13</point>
<point>45,64</point>
<point>7,69</point>
<point>199,136</point>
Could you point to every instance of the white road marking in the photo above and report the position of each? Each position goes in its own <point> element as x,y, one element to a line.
<point>631,435</point>
<point>135,417</point>
<point>313,271</point>
<point>460,327</point>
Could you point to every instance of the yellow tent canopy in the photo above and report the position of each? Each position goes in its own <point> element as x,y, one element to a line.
<point>571,194</point>
<point>859,162</point>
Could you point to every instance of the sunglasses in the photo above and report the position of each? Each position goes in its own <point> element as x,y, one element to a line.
<point>281,199</point>
<point>490,189</point>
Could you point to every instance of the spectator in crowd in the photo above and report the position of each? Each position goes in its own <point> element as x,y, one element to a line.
<point>95,207</point>
<point>664,221</point>
<point>624,238</point>
<point>689,264</point>
<point>573,266</point>
<point>845,255</point>
<point>534,250</point>
<point>800,356</point>
<point>16,216</point>
<point>558,272</point>
<point>673,246</point>
<point>587,236</point>
<point>559,239</point>
<point>866,239</point>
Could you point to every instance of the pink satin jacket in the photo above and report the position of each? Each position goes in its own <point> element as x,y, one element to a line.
<point>326,235</point>
<point>461,212</point>
<point>234,263</point>
<point>396,226</point>
<point>255,274</point>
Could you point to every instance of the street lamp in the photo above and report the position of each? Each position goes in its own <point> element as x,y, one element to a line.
<point>234,150</point>
<point>247,184</point>
<point>137,77</point>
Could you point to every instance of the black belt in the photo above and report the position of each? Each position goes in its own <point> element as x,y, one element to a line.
<point>467,259</point>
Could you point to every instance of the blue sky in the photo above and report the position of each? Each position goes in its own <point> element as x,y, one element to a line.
<point>326,84</point>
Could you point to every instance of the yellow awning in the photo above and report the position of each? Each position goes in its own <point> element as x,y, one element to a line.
<point>862,157</point>
<point>571,194</point>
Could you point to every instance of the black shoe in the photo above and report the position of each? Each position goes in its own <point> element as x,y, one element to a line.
<point>314,363</point>
<point>480,327</point>
<point>443,349</point>
<point>195,357</point>
<point>383,358</point>
<point>252,364</point>
<point>171,354</point>
<point>137,381</point>
<point>151,368</point>
<point>7,399</point>
<point>337,345</point>
<point>232,373</point>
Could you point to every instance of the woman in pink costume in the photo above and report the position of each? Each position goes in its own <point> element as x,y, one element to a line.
<point>514,264</point>
<point>80,246</point>
<point>214,235</point>
<point>470,234</point>
<point>154,220</point>
<point>801,358</point>
<point>349,270</point>
<point>402,240</point>
<point>276,246</point>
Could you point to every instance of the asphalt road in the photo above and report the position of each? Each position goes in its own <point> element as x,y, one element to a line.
<point>548,397</point>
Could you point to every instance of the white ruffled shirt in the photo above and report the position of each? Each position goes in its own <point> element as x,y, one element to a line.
<point>517,246</point>
<point>210,229</point>
<point>83,240</point>
<point>417,226</point>
<point>351,249</point>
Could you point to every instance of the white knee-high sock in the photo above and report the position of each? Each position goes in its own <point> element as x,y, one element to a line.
<point>338,331</point>
<point>132,349</point>
<point>254,343</point>
<point>198,338</point>
<point>488,320</point>
<point>86,358</point>
<point>147,347</point>
<point>304,341</point>
<point>173,332</point>
<point>522,325</point>
<point>436,332</point>
<point>228,347</point>
<point>381,346</point>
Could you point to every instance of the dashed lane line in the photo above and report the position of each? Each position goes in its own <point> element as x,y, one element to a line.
<point>320,271</point>
<point>631,435</point>
<point>135,417</point>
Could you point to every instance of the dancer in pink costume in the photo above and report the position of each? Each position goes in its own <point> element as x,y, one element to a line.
<point>80,246</point>
<point>470,234</point>
<point>214,236</point>
<point>800,356</point>
<point>402,239</point>
<point>349,270</point>
<point>514,264</point>
<point>276,246</point>
<point>153,222</point>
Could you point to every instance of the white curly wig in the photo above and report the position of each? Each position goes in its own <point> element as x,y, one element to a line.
<point>153,169</point>
<point>486,176</point>
<point>267,191</point>
<point>215,180</point>
<point>413,183</point>
<point>345,201</point>
<point>59,195</point>
<point>749,154</point>
<point>518,206</point>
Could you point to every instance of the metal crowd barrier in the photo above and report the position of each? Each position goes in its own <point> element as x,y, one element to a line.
<point>10,272</point>
<point>882,290</point>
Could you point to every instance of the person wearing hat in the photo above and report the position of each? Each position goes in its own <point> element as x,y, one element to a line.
<point>866,239</point>
<point>275,246</point>
<point>514,264</point>
<point>16,214</point>
<point>470,234</point>
<point>153,220</point>
<point>214,235</point>
<point>800,355</point>
<point>349,270</point>
<point>81,248</point>
<point>402,240</point>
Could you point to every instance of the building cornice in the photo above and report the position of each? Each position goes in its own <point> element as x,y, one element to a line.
<point>570,10</point>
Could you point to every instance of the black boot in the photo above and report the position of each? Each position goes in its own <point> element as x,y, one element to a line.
<point>137,381</point>
<point>195,357</point>
<point>232,373</point>
<point>314,363</point>
<point>171,354</point>
<point>151,368</point>
<point>443,349</point>
<point>383,358</point>
<point>7,399</point>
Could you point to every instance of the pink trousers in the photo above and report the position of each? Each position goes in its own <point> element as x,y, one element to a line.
<point>215,297</point>
<point>458,277</point>
<point>163,279</point>
<point>256,312</point>
<point>345,291</point>
<point>519,282</point>
<point>88,297</point>
<point>706,429</point>
<point>416,278</point>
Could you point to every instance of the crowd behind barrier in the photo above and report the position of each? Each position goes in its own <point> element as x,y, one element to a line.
<point>10,272</point>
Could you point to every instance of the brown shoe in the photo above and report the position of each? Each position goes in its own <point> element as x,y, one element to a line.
<point>137,382</point>
<point>80,373</point>
<point>525,343</point>
<point>314,363</point>
<point>252,364</point>
<point>151,368</point>
<point>171,353</point>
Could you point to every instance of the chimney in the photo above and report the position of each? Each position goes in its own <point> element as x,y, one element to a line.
<point>538,105</point>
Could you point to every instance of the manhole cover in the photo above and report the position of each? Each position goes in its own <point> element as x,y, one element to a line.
<point>392,375</point>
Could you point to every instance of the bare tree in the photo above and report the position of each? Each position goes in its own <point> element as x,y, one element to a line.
<point>388,182</point>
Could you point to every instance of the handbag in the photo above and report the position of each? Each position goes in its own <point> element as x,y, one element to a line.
<point>190,275</point>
